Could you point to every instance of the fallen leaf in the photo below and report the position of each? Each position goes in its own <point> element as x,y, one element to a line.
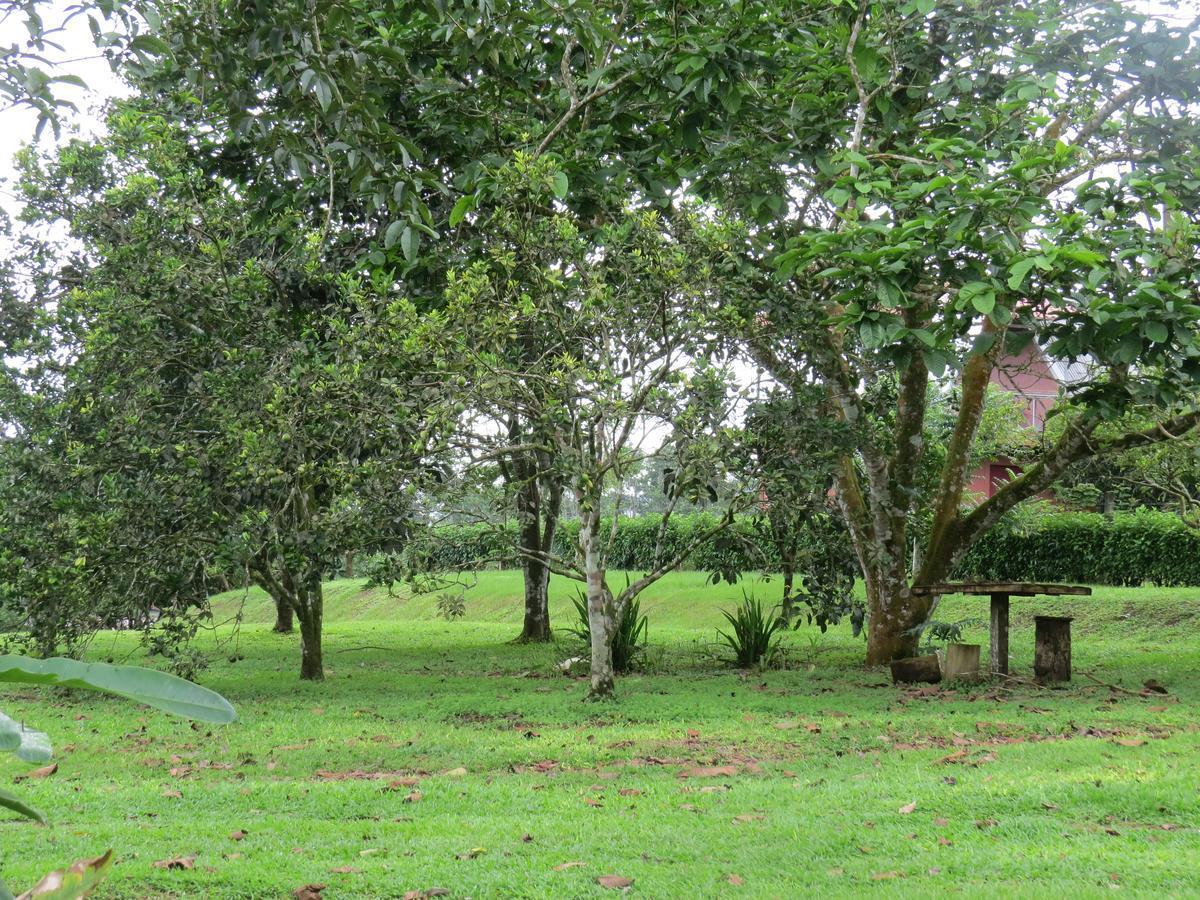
<point>527,838</point>
<point>693,733</point>
<point>986,823</point>
<point>573,864</point>
<point>592,801</point>
<point>473,853</point>
<point>178,862</point>
<point>238,835</point>
<point>945,842</point>
<point>708,772</point>
<point>885,876</point>
<point>749,817</point>
<point>456,773</point>
<point>935,871</point>
<point>1129,742</point>
<point>614,882</point>
<point>43,772</point>
<point>344,870</point>
<point>412,797</point>
<point>908,808</point>
<point>175,795</point>
<point>940,822</point>
<point>1046,804</point>
<point>398,783</point>
<point>1112,831</point>
<point>735,880</point>
<point>714,789</point>
<point>308,892</point>
<point>629,792</point>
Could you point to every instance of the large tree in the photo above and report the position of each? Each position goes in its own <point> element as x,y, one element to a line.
<point>996,177</point>
<point>226,370</point>
<point>628,313</point>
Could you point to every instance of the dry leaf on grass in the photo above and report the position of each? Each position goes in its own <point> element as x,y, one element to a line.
<point>749,817</point>
<point>908,808</point>
<point>308,892</point>
<point>344,870</point>
<point>238,835</point>
<point>178,862</point>
<point>573,864</point>
<point>735,880</point>
<point>886,876</point>
<point>708,772</point>
<point>43,772</point>
<point>614,882</point>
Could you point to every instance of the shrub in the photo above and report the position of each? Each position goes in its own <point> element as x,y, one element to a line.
<point>1125,549</point>
<point>451,606</point>
<point>629,641</point>
<point>756,633</point>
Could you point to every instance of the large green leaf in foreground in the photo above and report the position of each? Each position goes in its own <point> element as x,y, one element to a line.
<point>20,807</point>
<point>157,689</point>
<point>29,745</point>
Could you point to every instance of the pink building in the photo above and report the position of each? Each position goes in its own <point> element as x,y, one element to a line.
<point>1038,381</point>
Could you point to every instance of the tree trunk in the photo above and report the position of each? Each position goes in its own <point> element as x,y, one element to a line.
<point>284,616</point>
<point>536,628</point>
<point>538,504</point>
<point>309,610</point>
<point>789,575</point>
<point>602,614</point>
<point>349,564</point>
<point>895,614</point>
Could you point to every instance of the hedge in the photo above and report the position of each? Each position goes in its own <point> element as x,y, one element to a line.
<point>449,547</point>
<point>1088,548</point>
<point>1126,549</point>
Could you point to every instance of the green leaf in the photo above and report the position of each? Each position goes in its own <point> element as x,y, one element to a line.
<point>323,91</point>
<point>157,689</point>
<point>393,233</point>
<point>410,240</point>
<point>1156,331</point>
<point>560,185</point>
<point>29,745</point>
<point>20,807</point>
<point>461,208</point>
<point>1017,272</point>
<point>148,43</point>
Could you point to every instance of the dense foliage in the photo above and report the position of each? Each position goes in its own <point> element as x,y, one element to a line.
<point>1126,548</point>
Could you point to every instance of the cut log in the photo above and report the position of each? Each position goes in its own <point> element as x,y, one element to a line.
<point>917,668</point>
<point>962,662</point>
<point>1052,648</point>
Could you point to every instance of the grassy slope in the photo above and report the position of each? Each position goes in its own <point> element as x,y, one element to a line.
<point>826,755</point>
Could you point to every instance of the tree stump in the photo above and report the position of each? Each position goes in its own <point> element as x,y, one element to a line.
<point>917,668</point>
<point>962,661</point>
<point>1052,650</point>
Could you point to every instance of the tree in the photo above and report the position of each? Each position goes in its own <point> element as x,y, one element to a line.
<point>627,312</point>
<point>991,178</point>
<point>259,394</point>
<point>388,120</point>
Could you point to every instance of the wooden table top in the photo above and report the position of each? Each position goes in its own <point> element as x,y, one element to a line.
<point>1012,588</point>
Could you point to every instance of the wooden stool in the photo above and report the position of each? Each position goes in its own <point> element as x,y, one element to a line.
<point>1052,648</point>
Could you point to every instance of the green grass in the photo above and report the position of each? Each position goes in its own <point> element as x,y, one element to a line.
<point>1072,791</point>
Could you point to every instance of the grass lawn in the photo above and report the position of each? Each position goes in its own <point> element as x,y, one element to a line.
<point>440,755</point>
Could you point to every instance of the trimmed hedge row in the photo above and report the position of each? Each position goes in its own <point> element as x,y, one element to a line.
<point>450,547</point>
<point>1088,548</point>
<point>1127,549</point>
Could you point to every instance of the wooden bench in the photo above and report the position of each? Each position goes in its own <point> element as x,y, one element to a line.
<point>1053,633</point>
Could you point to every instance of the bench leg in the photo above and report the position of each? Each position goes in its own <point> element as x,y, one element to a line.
<point>1052,648</point>
<point>999,634</point>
